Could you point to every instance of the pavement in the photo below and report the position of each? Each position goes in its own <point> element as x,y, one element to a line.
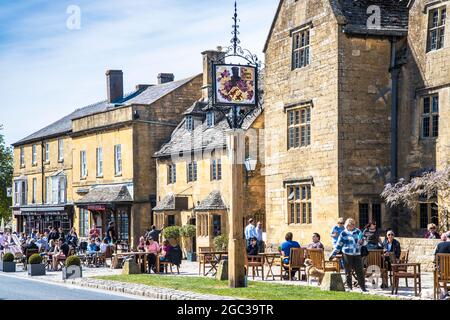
<point>190,269</point>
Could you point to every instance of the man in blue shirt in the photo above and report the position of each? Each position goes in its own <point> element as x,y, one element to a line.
<point>250,231</point>
<point>286,249</point>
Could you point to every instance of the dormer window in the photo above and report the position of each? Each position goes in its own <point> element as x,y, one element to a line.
<point>210,119</point>
<point>189,123</point>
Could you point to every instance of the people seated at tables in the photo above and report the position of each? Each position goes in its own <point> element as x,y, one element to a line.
<point>92,247</point>
<point>72,238</point>
<point>391,252</point>
<point>53,235</point>
<point>98,242</point>
<point>61,234</point>
<point>42,242</point>
<point>286,249</point>
<point>166,247</point>
<point>253,249</point>
<point>152,247</point>
<point>61,251</point>
<point>104,245</point>
<point>432,233</point>
<point>51,246</point>
<point>315,244</point>
<point>372,236</point>
<point>34,234</point>
<point>444,246</point>
<point>30,246</point>
<point>141,245</point>
<point>94,233</point>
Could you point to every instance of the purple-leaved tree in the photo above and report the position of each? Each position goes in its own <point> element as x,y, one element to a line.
<point>433,186</point>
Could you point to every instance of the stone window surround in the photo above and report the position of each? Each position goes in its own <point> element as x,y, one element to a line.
<point>304,105</point>
<point>191,171</point>
<point>300,29</point>
<point>118,160</point>
<point>34,155</point>
<point>60,150</point>
<point>305,216</point>
<point>428,9</point>
<point>171,173</point>
<point>22,157</point>
<point>20,191</point>
<point>430,115</point>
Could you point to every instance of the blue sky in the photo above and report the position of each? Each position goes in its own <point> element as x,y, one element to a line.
<point>47,70</point>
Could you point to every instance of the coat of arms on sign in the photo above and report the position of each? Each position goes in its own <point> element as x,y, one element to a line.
<point>235,84</point>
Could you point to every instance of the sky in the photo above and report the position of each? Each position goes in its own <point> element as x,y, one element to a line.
<point>54,54</point>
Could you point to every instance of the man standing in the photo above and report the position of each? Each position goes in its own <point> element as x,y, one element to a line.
<point>250,231</point>
<point>259,238</point>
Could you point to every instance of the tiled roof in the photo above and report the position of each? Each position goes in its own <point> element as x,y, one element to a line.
<point>167,204</point>
<point>394,16</point>
<point>213,201</point>
<point>202,137</point>
<point>353,13</point>
<point>147,96</point>
<point>107,194</point>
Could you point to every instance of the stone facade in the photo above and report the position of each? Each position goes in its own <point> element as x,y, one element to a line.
<point>347,85</point>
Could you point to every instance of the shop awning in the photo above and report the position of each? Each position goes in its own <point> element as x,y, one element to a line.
<point>40,210</point>
<point>114,194</point>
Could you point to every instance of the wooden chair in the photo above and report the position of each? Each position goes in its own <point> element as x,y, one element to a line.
<point>411,271</point>
<point>203,260</point>
<point>404,259</point>
<point>296,262</point>
<point>375,258</point>
<point>317,257</point>
<point>254,262</point>
<point>441,274</point>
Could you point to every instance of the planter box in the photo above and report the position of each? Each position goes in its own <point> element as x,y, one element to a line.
<point>36,270</point>
<point>7,266</point>
<point>191,256</point>
<point>72,272</point>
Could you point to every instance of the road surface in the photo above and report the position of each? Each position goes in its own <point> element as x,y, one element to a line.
<point>12,288</point>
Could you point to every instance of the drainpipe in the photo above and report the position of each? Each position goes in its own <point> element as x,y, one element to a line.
<point>394,70</point>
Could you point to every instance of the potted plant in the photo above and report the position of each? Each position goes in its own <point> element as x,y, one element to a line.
<point>172,234</point>
<point>187,232</point>
<point>35,266</point>
<point>8,264</point>
<point>72,270</point>
<point>221,243</point>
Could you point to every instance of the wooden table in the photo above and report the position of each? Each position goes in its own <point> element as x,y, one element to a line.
<point>406,271</point>
<point>270,259</point>
<point>140,257</point>
<point>214,257</point>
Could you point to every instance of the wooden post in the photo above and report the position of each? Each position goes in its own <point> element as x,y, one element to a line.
<point>236,243</point>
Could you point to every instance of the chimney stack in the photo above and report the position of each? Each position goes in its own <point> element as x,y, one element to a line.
<point>114,85</point>
<point>209,56</point>
<point>165,78</point>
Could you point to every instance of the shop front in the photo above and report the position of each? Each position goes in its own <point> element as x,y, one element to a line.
<point>43,217</point>
<point>105,204</point>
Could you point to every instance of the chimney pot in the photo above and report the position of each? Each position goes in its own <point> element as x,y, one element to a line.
<point>114,85</point>
<point>165,78</point>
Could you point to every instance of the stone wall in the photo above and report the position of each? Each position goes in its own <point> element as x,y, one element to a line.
<point>420,251</point>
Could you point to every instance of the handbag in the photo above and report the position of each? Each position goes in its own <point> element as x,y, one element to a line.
<point>364,251</point>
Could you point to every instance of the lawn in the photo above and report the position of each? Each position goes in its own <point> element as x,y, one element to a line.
<point>255,290</point>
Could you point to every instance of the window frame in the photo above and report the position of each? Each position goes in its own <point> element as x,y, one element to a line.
<point>298,48</point>
<point>216,169</point>
<point>34,155</point>
<point>439,29</point>
<point>118,160</point>
<point>20,192</point>
<point>431,117</point>
<point>171,173</point>
<point>34,191</point>
<point>190,123</point>
<point>83,164</point>
<point>299,208</point>
<point>422,223</point>
<point>47,152</point>
<point>210,119</point>
<point>299,127</point>
<point>22,157</point>
<point>99,161</point>
<point>191,170</point>
<point>60,150</point>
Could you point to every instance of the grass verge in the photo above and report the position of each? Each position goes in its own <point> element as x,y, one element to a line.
<point>255,290</point>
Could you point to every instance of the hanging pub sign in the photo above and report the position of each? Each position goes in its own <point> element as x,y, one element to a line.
<point>235,85</point>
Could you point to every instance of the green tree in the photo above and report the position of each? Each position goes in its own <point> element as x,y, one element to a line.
<point>6,175</point>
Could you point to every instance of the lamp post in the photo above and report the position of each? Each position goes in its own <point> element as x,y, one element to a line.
<point>235,95</point>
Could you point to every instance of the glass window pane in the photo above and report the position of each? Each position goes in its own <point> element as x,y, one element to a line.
<point>435,126</point>
<point>426,127</point>
<point>435,104</point>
